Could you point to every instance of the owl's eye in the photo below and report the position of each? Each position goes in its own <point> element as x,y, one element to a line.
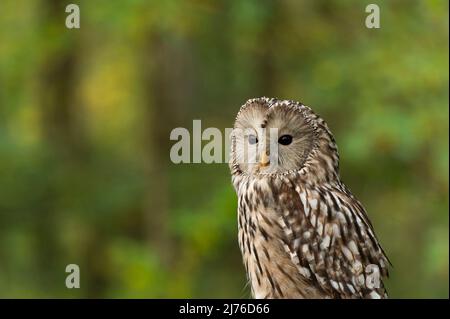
<point>285,140</point>
<point>252,139</point>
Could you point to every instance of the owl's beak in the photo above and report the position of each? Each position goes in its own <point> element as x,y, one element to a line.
<point>264,160</point>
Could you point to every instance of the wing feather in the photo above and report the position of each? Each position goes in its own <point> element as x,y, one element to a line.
<point>332,242</point>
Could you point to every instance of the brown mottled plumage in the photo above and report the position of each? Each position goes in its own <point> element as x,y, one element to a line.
<point>301,232</point>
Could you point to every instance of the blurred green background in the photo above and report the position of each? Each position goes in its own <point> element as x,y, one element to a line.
<point>85,117</point>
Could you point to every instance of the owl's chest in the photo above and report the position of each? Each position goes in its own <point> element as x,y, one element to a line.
<point>257,218</point>
<point>259,224</point>
<point>270,270</point>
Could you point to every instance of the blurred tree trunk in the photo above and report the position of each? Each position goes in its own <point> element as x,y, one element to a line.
<point>63,131</point>
<point>55,79</point>
<point>166,86</point>
<point>266,60</point>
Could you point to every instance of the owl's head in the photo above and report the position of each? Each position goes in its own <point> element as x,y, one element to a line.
<point>273,137</point>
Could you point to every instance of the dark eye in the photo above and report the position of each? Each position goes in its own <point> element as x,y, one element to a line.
<point>252,139</point>
<point>285,140</point>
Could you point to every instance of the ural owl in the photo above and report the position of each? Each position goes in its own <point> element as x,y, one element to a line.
<point>302,233</point>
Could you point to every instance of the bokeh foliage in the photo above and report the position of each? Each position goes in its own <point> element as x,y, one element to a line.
<point>85,117</point>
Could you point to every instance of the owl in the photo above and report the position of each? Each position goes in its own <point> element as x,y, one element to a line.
<point>301,231</point>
